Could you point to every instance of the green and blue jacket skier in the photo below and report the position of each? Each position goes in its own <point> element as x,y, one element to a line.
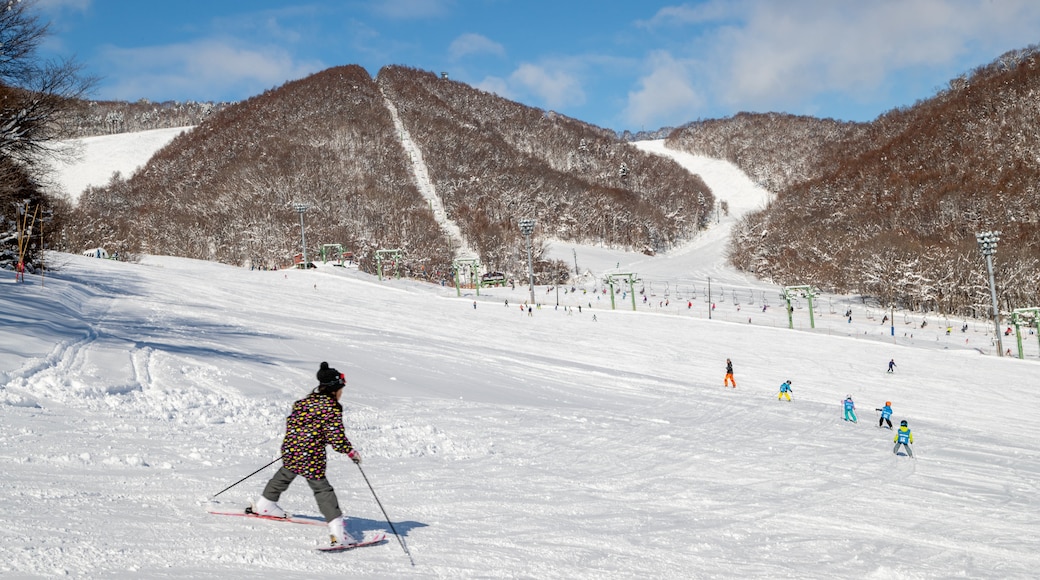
<point>905,438</point>
<point>850,409</point>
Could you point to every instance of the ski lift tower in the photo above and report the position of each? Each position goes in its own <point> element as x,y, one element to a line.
<point>988,245</point>
<point>631,278</point>
<point>300,209</point>
<point>473,265</point>
<point>332,251</point>
<point>527,228</point>
<point>805,291</point>
<point>395,256</point>
<point>1025,315</point>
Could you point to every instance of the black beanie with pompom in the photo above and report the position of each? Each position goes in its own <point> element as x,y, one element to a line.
<point>327,375</point>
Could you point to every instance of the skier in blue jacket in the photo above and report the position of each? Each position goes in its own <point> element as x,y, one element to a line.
<point>850,409</point>
<point>785,390</point>
<point>886,414</point>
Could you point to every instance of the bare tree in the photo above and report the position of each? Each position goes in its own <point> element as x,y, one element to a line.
<point>34,93</point>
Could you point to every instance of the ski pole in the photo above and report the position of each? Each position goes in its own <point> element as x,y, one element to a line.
<point>399,540</point>
<point>244,478</point>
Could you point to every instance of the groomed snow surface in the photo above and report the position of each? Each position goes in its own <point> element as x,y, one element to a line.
<point>91,161</point>
<point>502,445</point>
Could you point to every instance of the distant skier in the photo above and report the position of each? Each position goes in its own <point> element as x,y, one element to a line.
<point>892,366</point>
<point>315,422</point>
<point>850,409</point>
<point>886,414</point>
<point>905,438</point>
<point>729,375</point>
<point>785,390</point>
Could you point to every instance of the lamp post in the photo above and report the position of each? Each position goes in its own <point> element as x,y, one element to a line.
<point>988,245</point>
<point>527,228</point>
<point>300,208</point>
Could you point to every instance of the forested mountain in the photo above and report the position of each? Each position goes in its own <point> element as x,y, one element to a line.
<point>493,161</point>
<point>225,190</point>
<point>890,209</point>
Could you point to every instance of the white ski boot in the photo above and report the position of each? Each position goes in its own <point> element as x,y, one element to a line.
<point>338,533</point>
<point>266,507</point>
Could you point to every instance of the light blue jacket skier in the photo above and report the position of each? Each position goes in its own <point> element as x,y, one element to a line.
<point>850,409</point>
<point>886,414</point>
<point>785,390</point>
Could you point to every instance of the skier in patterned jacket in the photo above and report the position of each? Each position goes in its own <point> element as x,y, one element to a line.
<point>315,421</point>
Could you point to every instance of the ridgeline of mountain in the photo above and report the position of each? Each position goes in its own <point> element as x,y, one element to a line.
<point>225,190</point>
<point>93,118</point>
<point>890,209</point>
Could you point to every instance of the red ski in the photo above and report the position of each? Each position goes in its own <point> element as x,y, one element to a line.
<point>292,518</point>
<point>376,539</point>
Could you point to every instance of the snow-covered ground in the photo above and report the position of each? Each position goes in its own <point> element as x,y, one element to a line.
<point>560,444</point>
<point>91,161</point>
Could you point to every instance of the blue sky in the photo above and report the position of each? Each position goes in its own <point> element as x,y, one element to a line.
<point>626,64</point>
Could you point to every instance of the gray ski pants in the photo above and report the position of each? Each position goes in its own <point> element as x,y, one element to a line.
<point>328,503</point>
<point>909,452</point>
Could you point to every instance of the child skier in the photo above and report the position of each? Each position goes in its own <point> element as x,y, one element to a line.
<point>785,390</point>
<point>729,375</point>
<point>886,413</point>
<point>850,409</point>
<point>905,438</point>
<point>892,365</point>
<point>315,421</point>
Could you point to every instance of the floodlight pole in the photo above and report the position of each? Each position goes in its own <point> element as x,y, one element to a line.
<point>527,228</point>
<point>988,245</point>
<point>300,209</point>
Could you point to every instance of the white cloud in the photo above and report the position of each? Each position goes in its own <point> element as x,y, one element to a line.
<point>471,43</point>
<point>666,92</point>
<point>496,85</point>
<point>556,88</point>
<point>762,54</point>
<point>700,13</point>
<point>204,70</point>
